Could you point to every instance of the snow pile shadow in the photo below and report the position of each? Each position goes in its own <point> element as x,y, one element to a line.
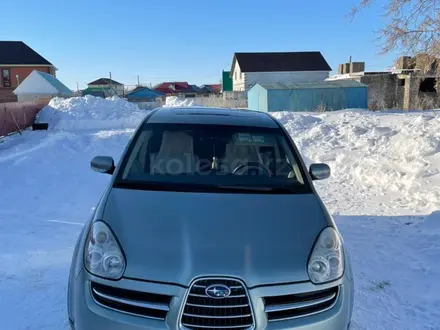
<point>90,112</point>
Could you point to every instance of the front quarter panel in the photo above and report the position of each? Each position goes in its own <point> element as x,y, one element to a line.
<point>77,264</point>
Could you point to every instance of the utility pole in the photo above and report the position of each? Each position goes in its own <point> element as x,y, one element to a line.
<point>77,87</point>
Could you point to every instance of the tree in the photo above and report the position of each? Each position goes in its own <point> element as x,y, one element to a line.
<point>413,28</point>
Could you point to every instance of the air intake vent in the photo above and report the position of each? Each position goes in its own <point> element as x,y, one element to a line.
<point>231,311</point>
<point>151,305</point>
<point>286,307</point>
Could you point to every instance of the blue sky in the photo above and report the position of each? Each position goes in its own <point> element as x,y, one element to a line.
<point>185,40</point>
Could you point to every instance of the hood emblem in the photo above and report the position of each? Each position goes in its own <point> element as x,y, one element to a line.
<point>218,291</point>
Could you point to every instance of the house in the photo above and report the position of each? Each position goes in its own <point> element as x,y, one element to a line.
<point>143,94</point>
<point>316,96</point>
<point>104,84</point>
<point>180,89</point>
<point>17,61</point>
<point>406,86</point>
<point>249,69</point>
<point>99,92</point>
<point>213,88</point>
<point>41,86</point>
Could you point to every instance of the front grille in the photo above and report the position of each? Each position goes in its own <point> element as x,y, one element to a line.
<point>286,307</point>
<point>151,305</point>
<point>203,312</point>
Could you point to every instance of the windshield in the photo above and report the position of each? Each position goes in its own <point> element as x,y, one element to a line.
<point>211,155</point>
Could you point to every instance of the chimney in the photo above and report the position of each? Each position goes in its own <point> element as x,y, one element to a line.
<point>341,68</point>
<point>357,67</point>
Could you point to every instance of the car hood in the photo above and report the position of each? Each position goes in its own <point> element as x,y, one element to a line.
<point>175,237</point>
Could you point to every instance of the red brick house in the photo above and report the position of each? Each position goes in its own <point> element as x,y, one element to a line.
<point>17,61</point>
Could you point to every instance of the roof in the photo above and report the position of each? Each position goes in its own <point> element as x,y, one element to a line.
<point>280,62</point>
<point>104,81</point>
<point>143,92</point>
<point>213,88</point>
<point>18,53</point>
<point>212,116</point>
<point>179,87</point>
<point>59,86</point>
<point>41,83</point>
<point>317,85</point>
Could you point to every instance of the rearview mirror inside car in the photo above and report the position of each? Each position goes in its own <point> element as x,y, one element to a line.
<point>103,164</point>
<point>319,171</point>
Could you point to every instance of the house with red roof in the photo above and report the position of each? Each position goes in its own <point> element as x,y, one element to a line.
<point>213,88</point>
<point>185,90</point>
<point>176,88</point>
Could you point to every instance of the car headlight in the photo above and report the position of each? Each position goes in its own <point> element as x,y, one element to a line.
<point>326,262</point>
<point>102,254</point>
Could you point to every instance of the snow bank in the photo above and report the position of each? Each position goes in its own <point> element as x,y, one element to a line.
<point>391,155</point>
<point>90,112</point>
<point>174,101</point>
<point>431,224</point>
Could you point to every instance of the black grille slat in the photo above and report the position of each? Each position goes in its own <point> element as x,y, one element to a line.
<point>203,312</point>
<point>297,305</point>
<point>149,305</point>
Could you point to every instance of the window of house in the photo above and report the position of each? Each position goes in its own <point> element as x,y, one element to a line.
<point>428,86</point>
<point>402,82</point>
<point>236,75</point>
<point>6,76</point>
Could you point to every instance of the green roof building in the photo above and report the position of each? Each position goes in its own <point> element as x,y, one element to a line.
<point>226,81</point>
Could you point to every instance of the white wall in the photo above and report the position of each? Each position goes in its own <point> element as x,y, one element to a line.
<point>252,78</point>
<point>34,97</point>
<point>238,82</point>
<point>243,81</point>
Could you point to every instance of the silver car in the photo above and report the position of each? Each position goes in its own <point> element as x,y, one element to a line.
<point>210,221</point>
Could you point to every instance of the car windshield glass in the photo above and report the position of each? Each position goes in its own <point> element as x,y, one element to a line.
<point>215,155</point>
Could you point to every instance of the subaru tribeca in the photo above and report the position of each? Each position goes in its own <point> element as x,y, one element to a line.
<point>210,221</point>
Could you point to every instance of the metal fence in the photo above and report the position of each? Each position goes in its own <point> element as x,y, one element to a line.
<point>16,116</point>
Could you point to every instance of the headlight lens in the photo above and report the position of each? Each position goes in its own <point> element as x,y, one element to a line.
<point>327,260</point>
<point>102,253</point>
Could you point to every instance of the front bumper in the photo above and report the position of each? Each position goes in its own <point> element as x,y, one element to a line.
<point>87,314</point>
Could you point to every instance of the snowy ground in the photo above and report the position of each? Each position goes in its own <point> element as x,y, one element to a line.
<point>385,179</point>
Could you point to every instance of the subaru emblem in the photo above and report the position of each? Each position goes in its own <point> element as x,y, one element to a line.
<point>218,291</point>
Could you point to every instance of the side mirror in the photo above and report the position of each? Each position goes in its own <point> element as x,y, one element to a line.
<point>103,164</point>
<point>319,171</point>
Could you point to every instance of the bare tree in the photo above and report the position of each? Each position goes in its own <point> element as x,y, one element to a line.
<point>413,28</point>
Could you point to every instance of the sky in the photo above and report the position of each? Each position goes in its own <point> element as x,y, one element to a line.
<point>186,40</point>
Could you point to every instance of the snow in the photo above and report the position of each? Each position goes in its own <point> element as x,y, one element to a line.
<point>384,194</point>
<point>90,112</point>
<point>383,155</point>
<point>174,101</point>
<point>341,76</point>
